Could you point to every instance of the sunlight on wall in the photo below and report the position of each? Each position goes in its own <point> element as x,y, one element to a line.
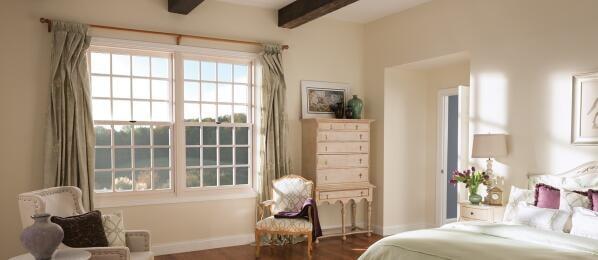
<point>489,112</point>
<point>559,153</point>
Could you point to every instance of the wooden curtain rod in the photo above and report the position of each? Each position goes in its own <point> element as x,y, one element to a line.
<point>178,36</point>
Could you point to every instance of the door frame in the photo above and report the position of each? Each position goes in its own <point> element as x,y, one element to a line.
<point>462,146</point>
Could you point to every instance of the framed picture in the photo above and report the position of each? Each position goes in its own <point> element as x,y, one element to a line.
<point>585,109</point>
<point>318,98</point>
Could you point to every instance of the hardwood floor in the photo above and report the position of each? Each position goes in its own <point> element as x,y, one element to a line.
<point>328,248</point>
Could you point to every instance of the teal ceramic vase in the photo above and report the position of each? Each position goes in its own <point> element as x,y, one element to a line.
<point>474,198</point>
<point>356,106</point>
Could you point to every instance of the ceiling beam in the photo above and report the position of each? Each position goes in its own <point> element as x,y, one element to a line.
<point>303,11</point>
<point>182,6</point>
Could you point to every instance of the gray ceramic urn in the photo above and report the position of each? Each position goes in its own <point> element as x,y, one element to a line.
<point>42,238</point>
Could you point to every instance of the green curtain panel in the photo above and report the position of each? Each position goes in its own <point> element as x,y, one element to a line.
<point>274,157</point>
<point>70,138</point>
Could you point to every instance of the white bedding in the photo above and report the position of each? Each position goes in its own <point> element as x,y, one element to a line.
<point>474,240</point>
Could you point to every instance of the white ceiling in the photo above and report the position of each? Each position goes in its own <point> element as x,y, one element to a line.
<point>362,11</point>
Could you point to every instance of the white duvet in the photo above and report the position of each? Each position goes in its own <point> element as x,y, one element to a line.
<point>471,240</point>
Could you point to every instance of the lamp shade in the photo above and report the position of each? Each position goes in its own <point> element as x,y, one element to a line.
<point>489,145</point>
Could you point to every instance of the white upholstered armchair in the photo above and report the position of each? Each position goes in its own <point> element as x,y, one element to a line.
<point>289,193</point>
<point>66,201</point>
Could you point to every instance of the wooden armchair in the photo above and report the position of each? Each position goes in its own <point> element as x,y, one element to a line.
<point>288,194</point>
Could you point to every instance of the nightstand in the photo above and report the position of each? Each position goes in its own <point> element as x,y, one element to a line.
<point>482,212</point>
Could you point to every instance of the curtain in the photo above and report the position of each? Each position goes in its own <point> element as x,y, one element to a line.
<point>274,159</point>
<point>70,137</point>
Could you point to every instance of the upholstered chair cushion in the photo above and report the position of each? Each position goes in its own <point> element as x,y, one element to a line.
<point>114,228</point>
<point>284,224</point>
<point>289,194</point>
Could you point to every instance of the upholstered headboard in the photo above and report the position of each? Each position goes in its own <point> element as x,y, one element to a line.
<point>582,177</point>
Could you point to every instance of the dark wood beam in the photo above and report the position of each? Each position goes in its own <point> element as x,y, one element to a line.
<point>182,6</point>
<point>303,11</point>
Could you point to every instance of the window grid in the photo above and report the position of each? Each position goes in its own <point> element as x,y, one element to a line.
<point>233,125</point>
<point>153,170</point>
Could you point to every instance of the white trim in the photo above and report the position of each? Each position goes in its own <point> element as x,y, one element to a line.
<point>392,230</point>
<point>202,244</point>
<point>120,43</point>
<point>217,194</point>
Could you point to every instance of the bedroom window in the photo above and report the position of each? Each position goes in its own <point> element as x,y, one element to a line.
<point>132,111</point>
<point>170,124</point>
<point>217,121</point>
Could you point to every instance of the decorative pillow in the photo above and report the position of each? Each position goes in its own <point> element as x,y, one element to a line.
<point>573,199</point>
<point>541,218</point>
<point>85,230</point>
<point>547,196</point>
<point>114,228</point>
<point>585,223</point>
<point>516,196</point>
<point>593,198</point>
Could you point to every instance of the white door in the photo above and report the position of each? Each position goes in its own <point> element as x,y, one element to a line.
<point>452,151</point>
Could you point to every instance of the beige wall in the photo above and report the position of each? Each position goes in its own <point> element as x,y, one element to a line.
<point>325,50</point>
<point>410,138</point>
<point>522,53</point>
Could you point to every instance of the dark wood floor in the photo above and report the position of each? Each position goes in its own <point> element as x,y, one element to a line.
<point>328,248</point>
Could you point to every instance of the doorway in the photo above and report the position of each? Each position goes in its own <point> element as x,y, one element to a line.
<point>452,123</point>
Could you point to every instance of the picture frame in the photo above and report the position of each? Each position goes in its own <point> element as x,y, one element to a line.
<point>584,129</point>
<point>318,96</point>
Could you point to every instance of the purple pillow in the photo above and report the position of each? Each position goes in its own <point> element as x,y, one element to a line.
<point>547,196</point>
<point>593,196</point>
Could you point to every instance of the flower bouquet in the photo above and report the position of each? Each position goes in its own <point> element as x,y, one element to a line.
<point>472,180</point>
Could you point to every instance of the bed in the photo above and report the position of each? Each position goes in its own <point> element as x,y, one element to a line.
<point>477,240</point>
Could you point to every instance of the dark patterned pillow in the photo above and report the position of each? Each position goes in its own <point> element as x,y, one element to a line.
<point>85,230</point>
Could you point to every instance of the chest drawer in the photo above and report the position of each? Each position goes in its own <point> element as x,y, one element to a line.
<point>336,176</point>
<point>340,194</point>
<point>476,213</point>
<point>341,160</point>
<point>357,126</point>
<point>343,147</point>
<point>330,136</point>
<point>331,126</point>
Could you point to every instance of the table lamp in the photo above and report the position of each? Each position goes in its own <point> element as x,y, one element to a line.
<point>489,146</point>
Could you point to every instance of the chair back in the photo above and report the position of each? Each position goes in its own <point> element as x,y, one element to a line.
<point>57,201</point>
<point>290,192</point>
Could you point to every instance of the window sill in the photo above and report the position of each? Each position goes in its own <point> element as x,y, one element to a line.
<point>132,200</point>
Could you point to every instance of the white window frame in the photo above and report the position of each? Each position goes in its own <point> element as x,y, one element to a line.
<point>179,192</point>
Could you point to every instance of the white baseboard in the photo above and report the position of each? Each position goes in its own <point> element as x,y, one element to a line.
<point>391,230</point>
<point>202,244</point>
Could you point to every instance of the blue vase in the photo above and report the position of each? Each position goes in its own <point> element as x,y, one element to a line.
<point>356,106</point>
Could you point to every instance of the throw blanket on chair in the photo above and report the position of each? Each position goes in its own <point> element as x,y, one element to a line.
<point>316,230</point>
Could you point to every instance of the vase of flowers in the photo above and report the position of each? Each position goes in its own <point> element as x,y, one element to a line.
<point>472,180</point>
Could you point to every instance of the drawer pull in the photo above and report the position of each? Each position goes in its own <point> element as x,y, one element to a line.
<point>360,175</point>
<point>361,193</point>
<point>326,148</point>
<point>330,126</point>
<point>326,136</point>
<point>360,148</point>
<point>325,177</point>
<point>326,196</point>
<point>356,127</point>
<point>360,160</point>
<point>325,162</point>
<point>471,213</point>
<point>360,136</point>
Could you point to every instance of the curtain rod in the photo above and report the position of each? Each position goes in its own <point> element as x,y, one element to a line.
<point>177,35</point>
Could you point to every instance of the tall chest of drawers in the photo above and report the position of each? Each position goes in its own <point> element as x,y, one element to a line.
<point>336,157</point>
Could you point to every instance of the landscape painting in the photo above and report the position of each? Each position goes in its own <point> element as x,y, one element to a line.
<point>319,97</point>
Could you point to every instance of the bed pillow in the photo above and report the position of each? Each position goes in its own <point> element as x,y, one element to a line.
<point>585,223</point>
<point>593,198</point>
<point>547,196</point>
<point>573,199</point>
<point>516,196</point>
<point>541,218</point>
